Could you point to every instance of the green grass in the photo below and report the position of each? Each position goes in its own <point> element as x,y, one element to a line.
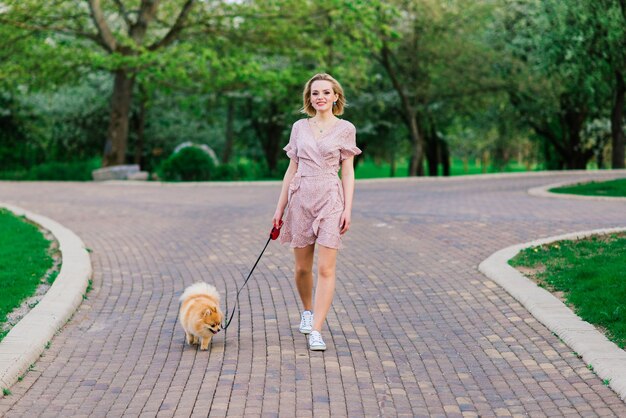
<point>613,188</point>
<point>24,261</point>
<point>370,169</point>
<point>590,273</point>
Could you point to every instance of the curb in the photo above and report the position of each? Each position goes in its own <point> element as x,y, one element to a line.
<point>607,359</point>
<point>544,191</point>
<point>23,345</point>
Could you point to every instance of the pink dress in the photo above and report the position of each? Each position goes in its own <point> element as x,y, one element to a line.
<point>315,200</point>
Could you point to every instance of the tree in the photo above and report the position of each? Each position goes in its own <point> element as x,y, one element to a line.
<point>129,40</point>
<point>418,43</point>
<point>31,63</point>
<point>566,67</point>
<point>609,42</point>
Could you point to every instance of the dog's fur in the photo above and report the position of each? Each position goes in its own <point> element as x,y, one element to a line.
<point>200,313</point>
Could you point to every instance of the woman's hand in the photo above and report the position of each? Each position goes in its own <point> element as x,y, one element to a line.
<point>278,216</point>
<point>345,221</point>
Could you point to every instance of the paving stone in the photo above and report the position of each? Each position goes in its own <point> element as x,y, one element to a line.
<point>415,329</point>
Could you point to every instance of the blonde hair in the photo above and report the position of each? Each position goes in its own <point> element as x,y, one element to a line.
<point>306,95</point>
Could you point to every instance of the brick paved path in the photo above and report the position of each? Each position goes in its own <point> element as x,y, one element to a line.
<point>416,330</point>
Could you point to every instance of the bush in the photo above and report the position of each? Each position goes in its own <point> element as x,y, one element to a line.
<point>80,171</point>
<point>188,164</point>
<point>229,172</point>
<point>55,170</point>
<point>242,170</point>
<point>245,169</point>
<point>193,164</point>
<point>16,174</point>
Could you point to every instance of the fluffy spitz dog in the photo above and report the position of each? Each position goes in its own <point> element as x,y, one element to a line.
<point>200,313</point>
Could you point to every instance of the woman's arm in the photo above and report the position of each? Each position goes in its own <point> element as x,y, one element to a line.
<point>282,199</point>
<point>347,181</point>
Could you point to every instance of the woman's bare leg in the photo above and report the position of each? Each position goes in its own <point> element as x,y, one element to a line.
<point>304,274</point>
<point>325,290</point>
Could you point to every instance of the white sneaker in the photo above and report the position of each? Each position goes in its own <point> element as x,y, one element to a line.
<point>315,342</point>
<point>306,323</point>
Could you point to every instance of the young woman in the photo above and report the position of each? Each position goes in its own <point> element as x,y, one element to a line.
<point>319,202</point>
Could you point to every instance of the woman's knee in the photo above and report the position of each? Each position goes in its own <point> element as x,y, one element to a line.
<point>303,271</point>
<point>326,272</point>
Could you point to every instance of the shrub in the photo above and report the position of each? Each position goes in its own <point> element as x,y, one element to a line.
<point>80,170</point>
<point>188,164</point>
<point>55,170</point>
<point>228,172</point>
<point>243,169</point>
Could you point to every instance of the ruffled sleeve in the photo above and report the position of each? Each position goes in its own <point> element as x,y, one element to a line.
<point>348,146</point>
<point>291,148</point>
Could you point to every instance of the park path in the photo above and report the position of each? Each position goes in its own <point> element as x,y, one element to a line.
<point>415,328</point>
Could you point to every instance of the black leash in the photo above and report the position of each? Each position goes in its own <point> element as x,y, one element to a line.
<point>273,235</point>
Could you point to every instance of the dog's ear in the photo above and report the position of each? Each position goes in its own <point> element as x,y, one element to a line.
<point>209,311</point>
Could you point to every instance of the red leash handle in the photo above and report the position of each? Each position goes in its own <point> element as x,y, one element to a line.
<point>276,231</point>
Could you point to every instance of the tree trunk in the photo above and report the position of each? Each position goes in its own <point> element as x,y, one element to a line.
<point>230,137</point>
<point>416,167</point>
<point>445,157</point>
<point>410,115</point>
<point>420,165</point>
<point>600,159</point>
<point>140,128</point>
<point>117,134</point>
<point>577,156</point>
<point>617,118</point>
<point>269,131</point>
<point>432,151</point>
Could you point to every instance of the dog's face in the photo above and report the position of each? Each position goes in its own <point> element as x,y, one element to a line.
<point>212,319</point>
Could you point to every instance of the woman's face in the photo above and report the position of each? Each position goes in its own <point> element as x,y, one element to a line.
<point>322,95</point>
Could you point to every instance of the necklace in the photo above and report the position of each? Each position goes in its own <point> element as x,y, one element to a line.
<point>323,128</point>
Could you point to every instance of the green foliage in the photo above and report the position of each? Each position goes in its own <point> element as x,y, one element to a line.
<point>188,164</point>
<point>24,260</point>
<point>590,272</point>
<point>64,125</point>
<point>245,169</point>
<point>34,60</point>
<point>561,61</point>
<point>78,171</point>
<point>15,150</point>
<point>486,77</point>
<point>191,164</point>
<point>55,170</point>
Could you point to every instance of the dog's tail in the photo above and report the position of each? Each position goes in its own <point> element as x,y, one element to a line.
<point>200,288</point>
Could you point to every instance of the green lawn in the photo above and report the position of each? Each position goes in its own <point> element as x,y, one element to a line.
<point>590,273</point>
<point>370,169</point>
<point>24,261</point>
<point>613,188</point>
